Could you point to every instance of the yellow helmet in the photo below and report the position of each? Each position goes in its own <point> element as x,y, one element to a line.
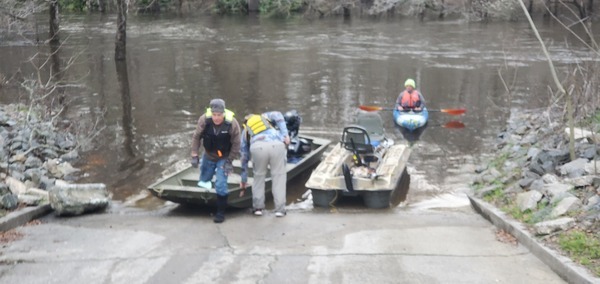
<point>410,82</point>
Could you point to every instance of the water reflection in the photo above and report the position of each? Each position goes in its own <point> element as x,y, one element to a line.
<point>411,136</point>
<point>130,161</point>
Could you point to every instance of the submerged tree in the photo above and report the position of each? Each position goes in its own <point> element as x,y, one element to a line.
<point>120,40</point>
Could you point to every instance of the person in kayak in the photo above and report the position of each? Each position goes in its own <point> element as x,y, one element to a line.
<point>219,133</point>
<point>410,98</point>
<point>264,140</point>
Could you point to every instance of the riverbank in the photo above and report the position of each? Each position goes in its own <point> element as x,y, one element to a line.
<point>35,153</point>
<point>524,139</point>
<point>533,180</point>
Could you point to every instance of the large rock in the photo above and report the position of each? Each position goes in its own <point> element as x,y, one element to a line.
<point>592,167</point>
<point>15,185</point>
<point>528,200</point>
<point>582,133</point>
<point>76,199</point>
<point>59,169</point>
<point>554,189</point>
<point>548,227</point>
<point>9,201</point>
<point>574,168</point>
<point>566,205</point>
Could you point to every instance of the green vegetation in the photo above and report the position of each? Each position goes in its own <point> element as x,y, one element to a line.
<point>268,8</point>
<point>73,5</point>
<point>596,121</point>
<point>231,7</point>
<point>592,122</point>
<point>499,161</point>
<point>515,212</point>
<point>280,8</point>
<point>583,248</point>
<point>494,196</point>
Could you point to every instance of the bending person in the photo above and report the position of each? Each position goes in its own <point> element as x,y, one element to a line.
<point>264,140</point>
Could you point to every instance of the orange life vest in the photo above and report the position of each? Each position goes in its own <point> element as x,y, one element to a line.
<point>410,100</point>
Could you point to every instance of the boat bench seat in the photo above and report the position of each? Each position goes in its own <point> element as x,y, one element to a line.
<point>234,178</point>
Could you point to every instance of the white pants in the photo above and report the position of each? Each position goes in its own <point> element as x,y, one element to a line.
<point>273,154</point>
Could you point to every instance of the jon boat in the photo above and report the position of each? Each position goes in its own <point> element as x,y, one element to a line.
<point>364,163</point>
<point>181,187</point>
<point>411,120</point>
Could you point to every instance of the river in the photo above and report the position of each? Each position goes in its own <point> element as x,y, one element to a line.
<point>324,69</point>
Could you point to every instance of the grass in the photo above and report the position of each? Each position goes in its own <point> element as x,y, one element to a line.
<point>494,195</point>
<point>499,161</point>
<point>582,247</point>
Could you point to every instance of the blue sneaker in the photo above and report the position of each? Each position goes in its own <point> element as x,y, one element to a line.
<point>205,184</point>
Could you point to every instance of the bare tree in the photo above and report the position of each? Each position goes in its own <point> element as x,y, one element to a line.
<point>121,37</point>
<point>558,85</point>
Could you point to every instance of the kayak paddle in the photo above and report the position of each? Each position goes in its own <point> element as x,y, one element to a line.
<point>450,111</point>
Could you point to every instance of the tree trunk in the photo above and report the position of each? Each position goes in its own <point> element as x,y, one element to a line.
<point>443,10</point>
<point>571,122</point>
<point>253,5</point>
<point>54,23</point>
<point>120,40</point>
<point>57,74</point>
<point>346,12</point>
<point>123,79</point>
<point>102,6</point>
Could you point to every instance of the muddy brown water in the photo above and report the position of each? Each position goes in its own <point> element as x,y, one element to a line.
<point>324,69</point>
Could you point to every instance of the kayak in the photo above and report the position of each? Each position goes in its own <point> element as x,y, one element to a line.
<point>411,120</point>
<point>182,186</point>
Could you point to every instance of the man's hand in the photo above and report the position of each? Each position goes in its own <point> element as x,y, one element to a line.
<point>195,161</point>
<point>228,167</point>
<point>243,191</point>
<point>286,140</point>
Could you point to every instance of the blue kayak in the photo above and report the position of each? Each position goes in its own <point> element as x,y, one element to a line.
<point>411,120</point>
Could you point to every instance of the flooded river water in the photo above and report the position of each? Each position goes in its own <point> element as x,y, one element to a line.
<point>324,69</point>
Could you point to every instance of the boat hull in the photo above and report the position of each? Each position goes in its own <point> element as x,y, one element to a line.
<point>181,187</point>
<point>389,187</point>
<point>411,120</point>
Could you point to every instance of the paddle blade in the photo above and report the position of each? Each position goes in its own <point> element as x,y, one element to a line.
<point>454,111</point>
<point>454,124</point>
<point>370,108</point>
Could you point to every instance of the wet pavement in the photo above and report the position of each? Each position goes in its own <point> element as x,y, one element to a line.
<point>182,245</point>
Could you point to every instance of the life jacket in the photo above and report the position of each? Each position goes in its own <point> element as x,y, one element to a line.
<point>218,143</point>
<point>410,100</point>
<point>257,123</point>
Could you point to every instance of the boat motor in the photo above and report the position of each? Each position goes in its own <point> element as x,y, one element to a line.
<point>292,122</point>
<point>298,146</point>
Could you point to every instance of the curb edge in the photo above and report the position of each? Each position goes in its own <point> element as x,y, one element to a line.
<point>21,217</point>
<point>561,265</point>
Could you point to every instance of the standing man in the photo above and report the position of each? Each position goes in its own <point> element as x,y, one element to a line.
<point>264,140</point>
<point>410,98</point>
<point>220,135</point>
